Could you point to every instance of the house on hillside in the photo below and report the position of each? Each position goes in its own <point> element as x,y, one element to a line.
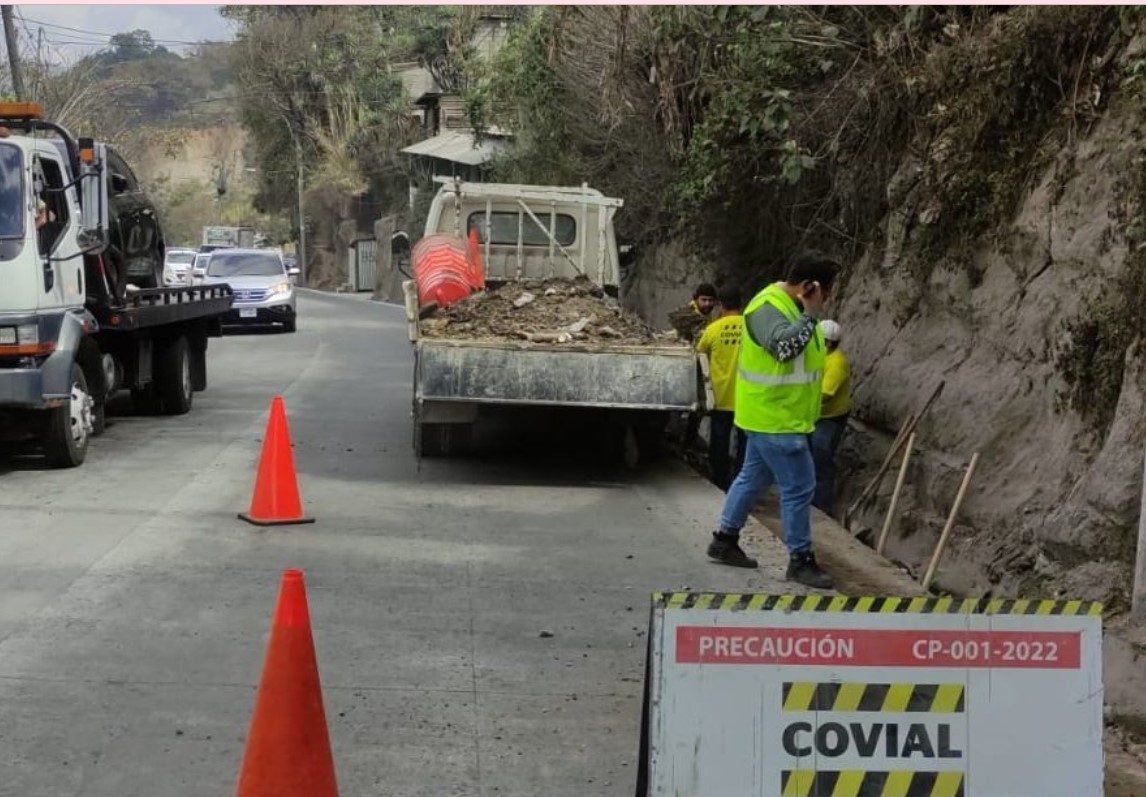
<point>450,148</point>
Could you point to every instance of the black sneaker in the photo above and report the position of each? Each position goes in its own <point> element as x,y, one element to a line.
<point>725,548</point>
<point>802,568</point>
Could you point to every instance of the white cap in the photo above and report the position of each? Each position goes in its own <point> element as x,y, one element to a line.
<point>830,329</point>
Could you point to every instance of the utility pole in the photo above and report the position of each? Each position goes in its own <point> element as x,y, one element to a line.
<point>13,54</point>
<point>301,212</point>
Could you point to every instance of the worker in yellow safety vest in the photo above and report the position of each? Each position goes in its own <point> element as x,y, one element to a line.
<point>834,410</point>
<point>782,355</point>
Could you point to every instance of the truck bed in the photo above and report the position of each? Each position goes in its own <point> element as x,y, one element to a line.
<point>581,375</point>
<point>158,306</point>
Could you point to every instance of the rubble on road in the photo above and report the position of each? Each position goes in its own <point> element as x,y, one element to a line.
<point>559,311</point>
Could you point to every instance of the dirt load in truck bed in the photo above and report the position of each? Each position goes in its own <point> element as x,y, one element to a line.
<point>559,311</point>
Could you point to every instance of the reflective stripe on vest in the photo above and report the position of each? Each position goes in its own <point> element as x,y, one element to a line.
<point>799,376</point>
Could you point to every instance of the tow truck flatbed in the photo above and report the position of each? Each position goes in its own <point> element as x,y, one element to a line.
<point>159,306</point>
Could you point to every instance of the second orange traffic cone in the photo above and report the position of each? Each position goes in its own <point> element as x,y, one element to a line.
<point>276,501</point>
<point>288,748</point>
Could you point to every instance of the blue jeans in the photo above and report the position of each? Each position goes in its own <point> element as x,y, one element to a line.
<point>784,460</point>
<point>825,440</point>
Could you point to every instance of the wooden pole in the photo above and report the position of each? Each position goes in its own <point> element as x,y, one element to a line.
<point>904,432</point>
<point>13,54</point>
<point>931,568</point>
<point>895,495</point>
<point>1138,601</point>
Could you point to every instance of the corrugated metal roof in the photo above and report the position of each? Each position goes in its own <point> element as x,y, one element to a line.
<point>418,82</point>
<point>458,147</point>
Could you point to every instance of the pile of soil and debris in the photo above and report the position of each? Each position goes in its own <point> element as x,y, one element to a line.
<point>544,311</point>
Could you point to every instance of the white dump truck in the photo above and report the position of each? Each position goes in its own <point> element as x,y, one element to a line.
<point>502,351</point>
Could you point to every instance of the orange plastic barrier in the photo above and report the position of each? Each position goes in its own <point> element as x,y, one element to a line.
<point>446,268</point>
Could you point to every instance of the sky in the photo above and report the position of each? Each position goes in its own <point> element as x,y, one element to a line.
<point>72,31</point>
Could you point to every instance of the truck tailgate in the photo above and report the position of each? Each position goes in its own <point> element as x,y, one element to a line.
<point>628,377</point>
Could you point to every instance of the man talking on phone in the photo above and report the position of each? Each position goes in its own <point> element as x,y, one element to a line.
<point>778,381</point>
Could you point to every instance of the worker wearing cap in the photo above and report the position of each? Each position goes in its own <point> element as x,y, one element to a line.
<point>836,403</point>
<point>721,344</point>
<point>694,316</point>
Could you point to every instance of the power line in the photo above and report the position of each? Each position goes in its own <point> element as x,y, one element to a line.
<point>87,32</point>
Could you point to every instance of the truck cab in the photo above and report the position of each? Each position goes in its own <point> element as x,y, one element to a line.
<point>39,228</point>
<point>533,232</point>
<point>72,328</point>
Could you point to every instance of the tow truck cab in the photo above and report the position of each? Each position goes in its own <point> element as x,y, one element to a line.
<point>71,330</point>
<point>53,213</point>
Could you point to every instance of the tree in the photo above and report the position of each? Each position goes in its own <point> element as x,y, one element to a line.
<point>320,80</point>
<point>136,45</point>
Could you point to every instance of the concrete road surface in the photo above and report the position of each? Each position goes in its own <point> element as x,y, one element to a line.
<point>135,606</point>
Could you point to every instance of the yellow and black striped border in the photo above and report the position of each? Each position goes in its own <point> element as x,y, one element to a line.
<point>818,603</point>
<point>860,783</point>
<point>896,698</point>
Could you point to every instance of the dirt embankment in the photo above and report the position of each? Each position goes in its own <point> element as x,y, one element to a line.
<point>545,311</point>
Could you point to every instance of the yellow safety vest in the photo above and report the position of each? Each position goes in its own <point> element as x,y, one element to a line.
<point>774,397</point>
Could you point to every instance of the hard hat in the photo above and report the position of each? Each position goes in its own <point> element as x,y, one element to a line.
<point>831,330</point>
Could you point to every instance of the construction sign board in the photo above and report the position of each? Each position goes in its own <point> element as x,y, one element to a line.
<point>809,696</point>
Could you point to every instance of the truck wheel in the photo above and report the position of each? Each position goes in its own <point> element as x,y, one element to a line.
<point>69,426</point>
<point>173,377</point>
<point>643,441</point>
<point>446,439</point>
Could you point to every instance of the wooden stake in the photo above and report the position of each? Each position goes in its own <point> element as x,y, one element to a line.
<point>1138,598</point>
<point>931,568</point>
<point>895,494</point>
<point>904,432</point>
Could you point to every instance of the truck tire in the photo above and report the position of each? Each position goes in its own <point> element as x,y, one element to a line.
<point>446,439</point>
<point>69,426</point>
<point>173,377</point>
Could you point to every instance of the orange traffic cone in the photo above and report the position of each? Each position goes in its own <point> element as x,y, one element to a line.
<point>276,501</point>
<point>288,748</point>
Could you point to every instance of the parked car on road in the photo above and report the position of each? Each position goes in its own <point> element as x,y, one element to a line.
<point>177,266</point>
<point>263,290</point>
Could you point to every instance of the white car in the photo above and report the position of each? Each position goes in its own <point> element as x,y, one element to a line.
<point>177,266</point>
<point>261,282</point>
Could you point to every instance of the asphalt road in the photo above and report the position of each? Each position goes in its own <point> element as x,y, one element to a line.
<point>135,606</point>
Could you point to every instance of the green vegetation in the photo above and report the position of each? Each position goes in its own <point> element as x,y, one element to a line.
<point>758,130</point>
<point>134,91</point>
<point>322,81</point>
<point>1092,356</point>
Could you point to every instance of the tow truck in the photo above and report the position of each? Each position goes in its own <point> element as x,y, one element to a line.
<point>74,225</point>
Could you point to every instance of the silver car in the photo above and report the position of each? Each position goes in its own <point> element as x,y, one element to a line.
<point>177,266</point>
<point>264,290</point>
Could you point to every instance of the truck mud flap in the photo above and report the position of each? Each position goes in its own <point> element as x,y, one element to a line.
<point>56,373</point>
